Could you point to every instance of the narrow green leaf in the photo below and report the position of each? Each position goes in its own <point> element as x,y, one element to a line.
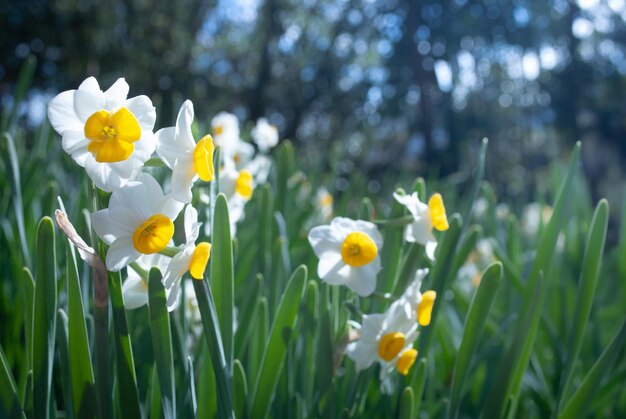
<point>477,177</point>
<point>406,404</point>
<point>309,330</point>
<point>240,389</point>
<point>391,254</point>
<point>28,293</point>
<point>441,275</point>
<point>542,263</point>
<point>468,242</point>
<point>81,370</point>
<point>578,404</point>
<point>9,401</point>
<point>275,351</point>
<point>258,338</point>
<point>64,360</point>
<point>192,387</point>
<point>419,382</point>
<point>285,164</point>
<point>222,277</point>
<point>472,331</point>
<point>162,342</point>
<point>125,365</point>
<point>216,350</point>
<point>592,260</point>
<point>44,317</point>
<point>246,313</point>
<point>366,210</point>
<point>207,389</point>
<point>156,406</point>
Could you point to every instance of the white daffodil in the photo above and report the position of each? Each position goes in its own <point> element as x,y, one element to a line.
<point>107,134</point>
<point>139,220</point>
<point>324,202</point>
<point>386,338</point>
<point>234,150</point>
<point>192,258</point>
<point>265,135</point>
<point>260,168</point>
<point>188,160</point>
<point>418,305</point>
<point>425,218</point>
<point>348,253</point>
<point>135,288</point>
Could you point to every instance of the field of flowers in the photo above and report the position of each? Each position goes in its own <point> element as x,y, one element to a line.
<point>197,271</point>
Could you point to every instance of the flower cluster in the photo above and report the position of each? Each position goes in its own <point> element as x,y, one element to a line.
<point>349,254</point>
<point>112,137</point>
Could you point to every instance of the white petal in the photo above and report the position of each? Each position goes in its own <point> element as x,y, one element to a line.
<point>362,280</point>
<point>103,176</point>
<point>88,99</point>
<point>144,148</point>
<point>419,232</point>
<point>62,115</point>
<point>167,148</point>
<point>75,144</point>
<point>121,253</point>
<point>192,226</point>
<point>141,107</point>
<point>135,292</point>
<point>116,94</point>
<point>110,228</point>
<point>183,135</point>
<point>324,238</point>
<point>330,263</point>
<point>431,246</point>
<point>362,354</point>
<point>177,267</point>
<point>173,296</point>
<point>183,178</point>
<point>372,327</point>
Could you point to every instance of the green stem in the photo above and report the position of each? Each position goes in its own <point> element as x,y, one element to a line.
<point>143,273</point>
<point>169,251</point>
<point>395,222</point>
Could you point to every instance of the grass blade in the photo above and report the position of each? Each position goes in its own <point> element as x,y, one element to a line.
<point>594,250</point>
<point>162,342</point>
<point>222,277</point>
<point>581,400</point>
<point>44,317</point>
<point>64,360</point>
<point>9,401</point>
<point>406,404</point>
<point>472,331</point>
<point>82,382</point>
<point>216,350</point>
<point>192,387</point>
<point>240,389</point>
<point>419,383</point>
<point>276,349</point>
<point>126,379</point>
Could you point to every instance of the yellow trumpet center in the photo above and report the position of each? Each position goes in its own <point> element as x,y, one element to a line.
<point>406,361</point>
<point>199,260</point>
<point>358,249</point>
<point>425,307</point>
<point>203,158</point>
<point>218,129</point>
<point>390,345</point>
<point>244,185</point>
<point>111,135</point>
<point>326,200</point>
<point>153,235</point>
<point>438,212</point>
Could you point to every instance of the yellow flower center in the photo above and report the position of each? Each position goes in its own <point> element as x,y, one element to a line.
<point>111,135</point>
<point>390,345</point>
<point>243,185</point>
<point>218,129</point>
<point>358,249</point>
<point>199,260</point>
<point>153,235</point>
<point>438,212</point>
<point>406,361</point>
<point>236,158</point>
<point>425,307</point>
<point>203,158</point>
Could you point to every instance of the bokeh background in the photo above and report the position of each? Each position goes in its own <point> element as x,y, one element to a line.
<point>383,88</point>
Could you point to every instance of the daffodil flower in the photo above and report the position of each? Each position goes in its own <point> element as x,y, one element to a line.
<point>135,288</point>
<point>138,221</point>
<point>192,258</point>
<point>265,135</point>
<point>324,202</point>
<point>418,305</point>
<point>386,338</point>
<point>348,253</point>
<point>425,218</point>
<point>179,151</point>
<point>104,132</point>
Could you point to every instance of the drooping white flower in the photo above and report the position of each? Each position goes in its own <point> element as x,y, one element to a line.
<point>425,218</point>
<point>188,160</point>
<point>348,253</point>
<point>192,258</point>
<point>139,220</point>
<point>135,288</point>
<point>104,132</point>
<point>265,135</point>
<point>418,305</point>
